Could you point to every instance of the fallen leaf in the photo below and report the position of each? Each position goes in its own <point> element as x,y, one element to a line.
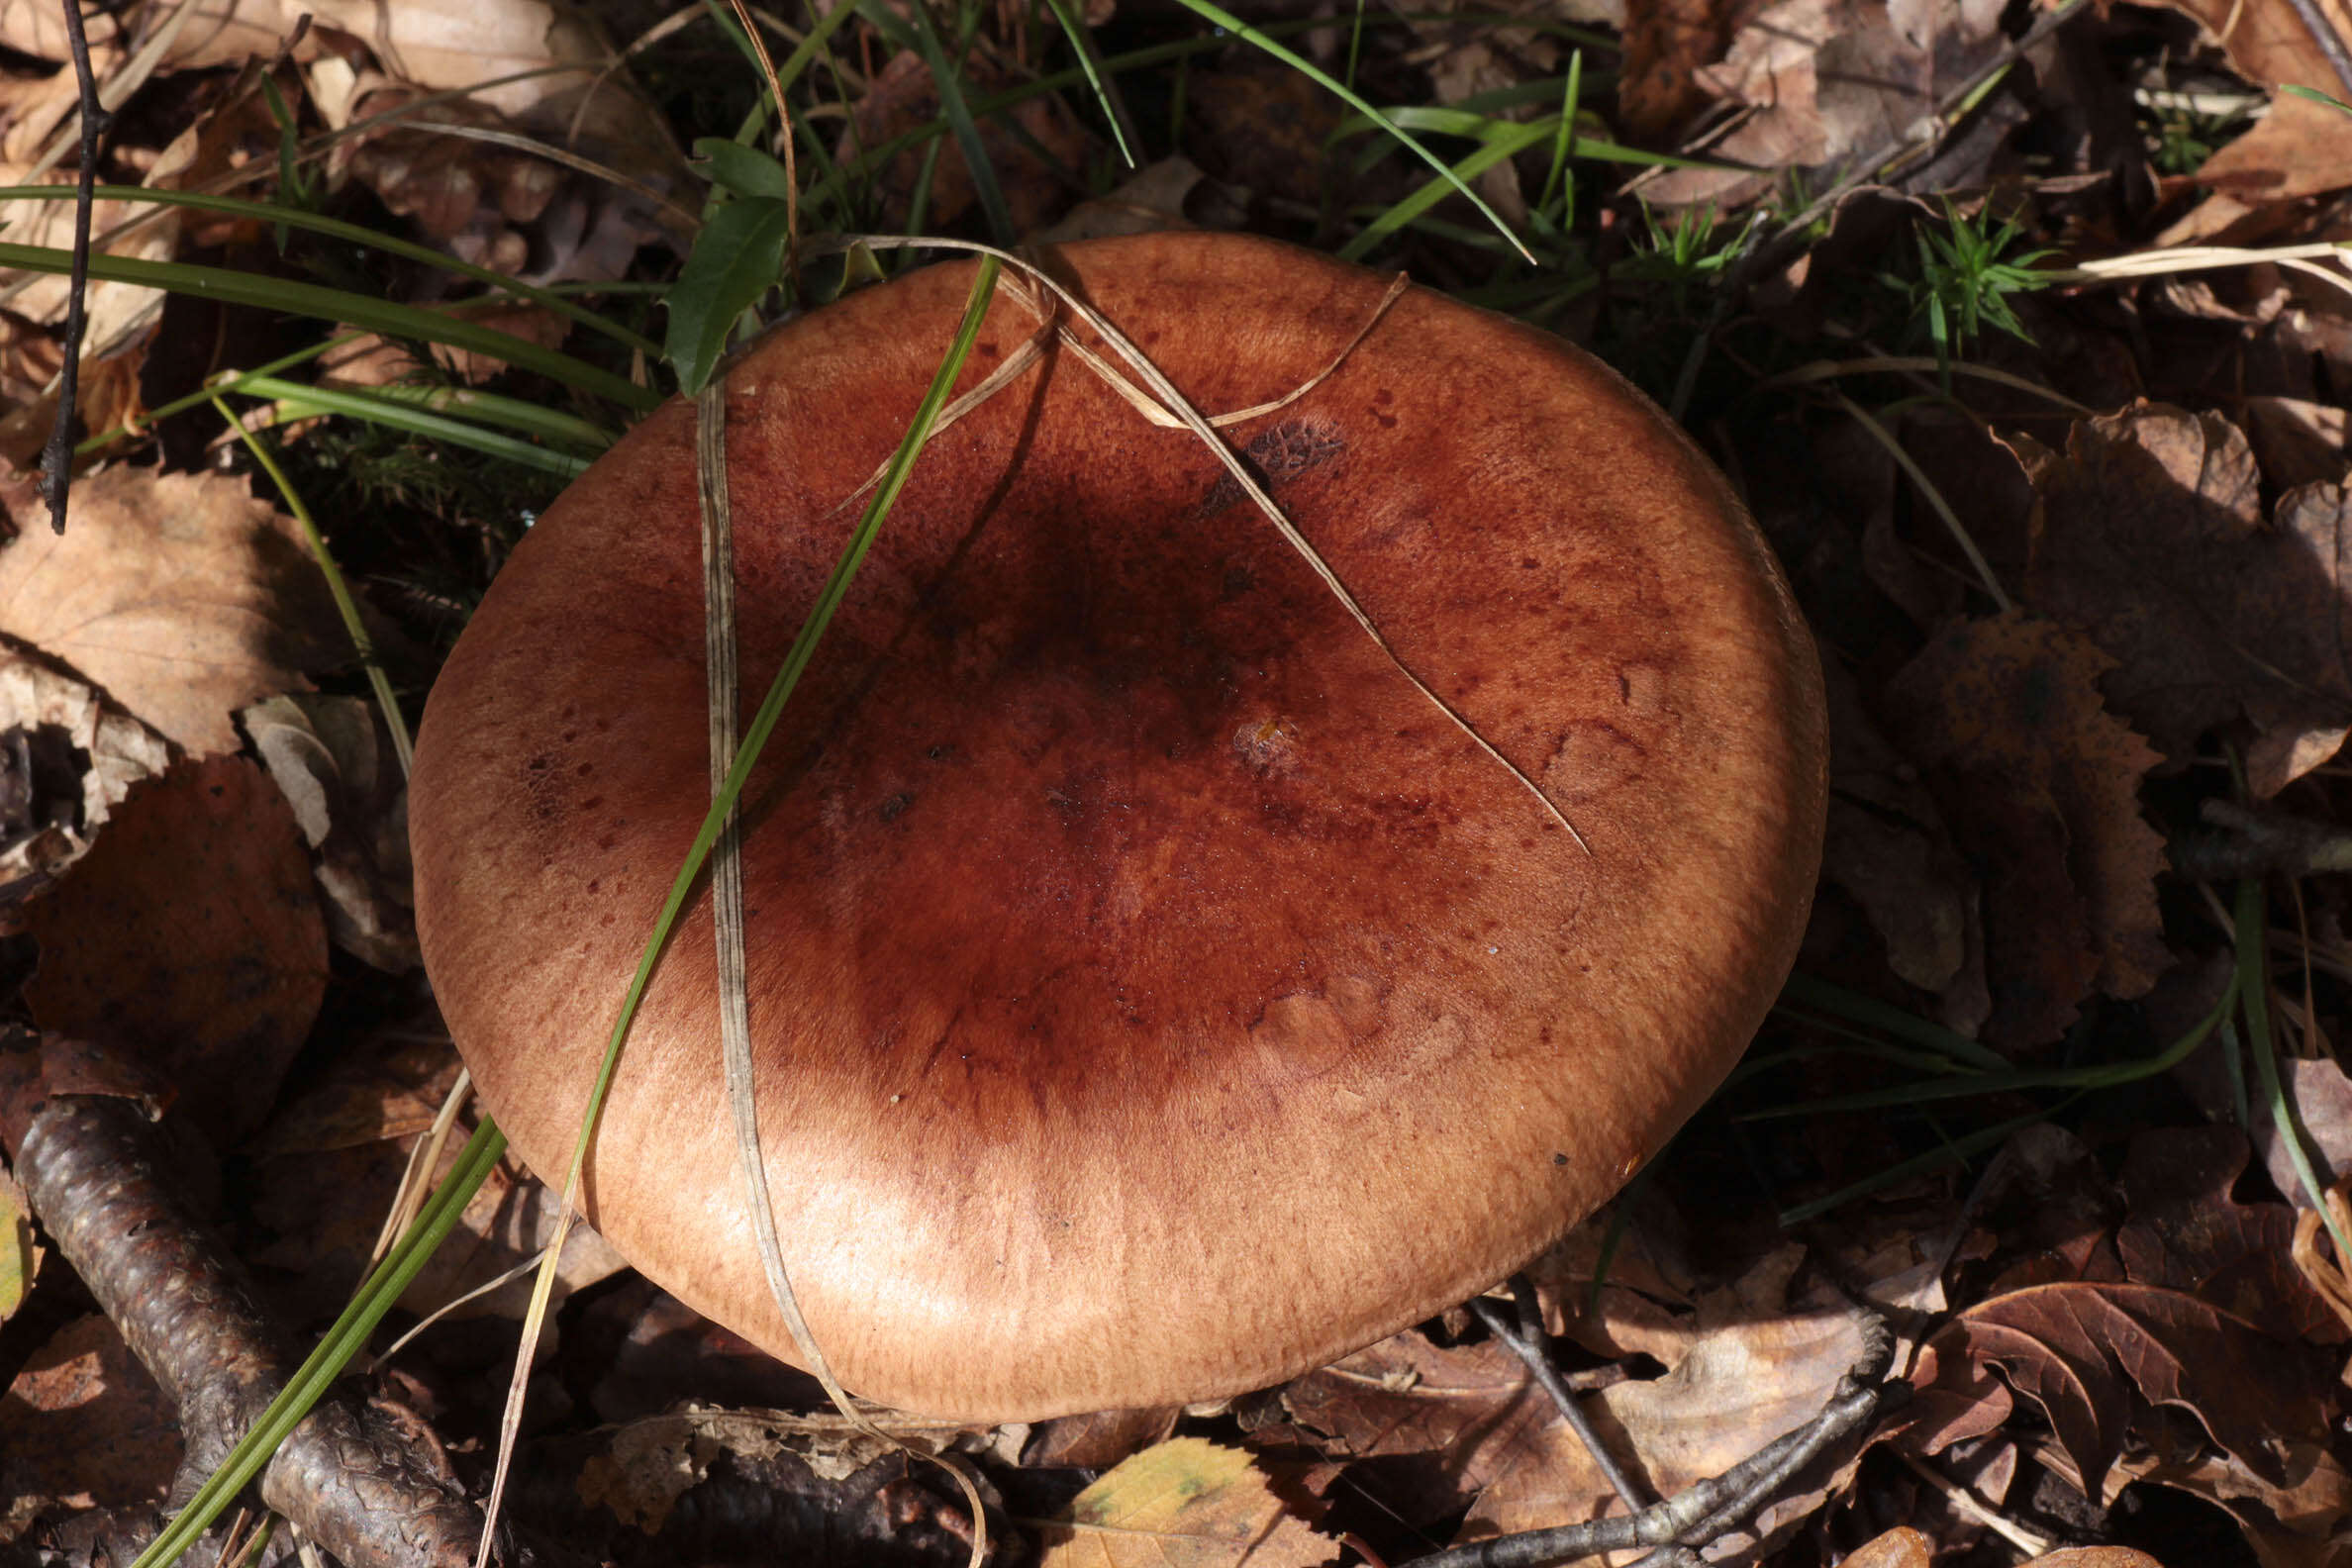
<point>1832,83</point>
<point>68,759</point>
<point>1473,1408</point>
<point>180,596</point>
<point>351,805</point>
<point>1150,201</point>
<point>327,1207</point>
<point>20,1252</point>
<point>1099,1440</point>
<point>1667,44</point>
<point>2093,1356</point>
<point>1033,154</point>
<point>1896,1548</point>
<point>1759,1365</point>
<point>2149,536</point>
<point>2042,785</point>
<point>2302,1521</point>
<point>190,935</point>
<point>646,1348</point>
<point>84,1425</point>
<point>1888,847</point>
<point>2300,148</point>
<point>2185,1233</point>
<point>1185,1504</point>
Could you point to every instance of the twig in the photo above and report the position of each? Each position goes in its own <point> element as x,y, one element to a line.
<point>1962,1500</point>
<point>356,1482</point>
<point>2255,844</point>
<point>1708,1508</point>
<point>56,458</point>
<point>1526,1342</point>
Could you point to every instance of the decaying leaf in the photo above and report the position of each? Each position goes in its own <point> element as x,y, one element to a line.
<point>2042,784</point>
<point>1032,167</point>
<point>190,936</point>
<point>351,805</point>
<point>2299,149</point>
<point>2094,1355</point>
<point>1185,1504</point>
<point>1830,81</point>
<point>1472,1408</point>
<point>83,1425</point>
<point>67,759</point>
<point>20,1253</point>
<point>180,596</point>
<point>2184,1232</point>
<point>2149,536</point>
<point>1757,1363</point>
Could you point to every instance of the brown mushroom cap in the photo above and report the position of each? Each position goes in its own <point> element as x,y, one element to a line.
<point>1154,995</point>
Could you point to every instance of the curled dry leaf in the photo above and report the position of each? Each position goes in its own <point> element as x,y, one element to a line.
<point>1472,1407</point>
<point>2184,1232</point>
<point>2095,1356</point>
<point>1830,81</point>
<point>1756,1362</point>
<point>2300,148</point>
<point>190,936</point>
<point>352,805</point>
<point>180,596</point>
<point>2043,782</point>
<point>2149,535</point>
<point>1183,1504</point>
<point>67,759</point>
<point>1150,200</point>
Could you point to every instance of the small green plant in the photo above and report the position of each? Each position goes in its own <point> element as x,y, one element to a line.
<point>1966,277</point>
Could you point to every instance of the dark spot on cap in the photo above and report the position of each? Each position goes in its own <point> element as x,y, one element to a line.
<point>895,806</point>
<point>1559,1159</point>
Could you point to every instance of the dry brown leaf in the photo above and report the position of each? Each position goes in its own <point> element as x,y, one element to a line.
<point>1667,44</point>
<point>180,596</point>
<point>2095,1558</point>
<point>660,1346</point>
<point>2300,147</point>
<point>2043,782</point>
<point>119,312</point>
<point>1099,1440</point>
<point>1888,847</point>
<point>66,760</point>
<point>324,1208</point>
<point>1150,200</point>
<point>83,1425</point>
<point>1185,1504</point>
<point>1828,81</point>
<point>2298,441</point>
<point>351,805</point>
<point>1758,1365</point>
<point>2187,1232</point>
<point>2149,535</point>
<point>190,936</point>
<point>1473,1408</point>
<point>902,97</point>
<point>1898,1548</point>
<point>2095,1356</point>
<point>2304,1521</point>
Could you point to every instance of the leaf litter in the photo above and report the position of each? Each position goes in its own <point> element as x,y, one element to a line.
<point>2108,1301</point>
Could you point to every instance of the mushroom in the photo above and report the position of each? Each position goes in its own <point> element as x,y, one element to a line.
<point>1155,993</point>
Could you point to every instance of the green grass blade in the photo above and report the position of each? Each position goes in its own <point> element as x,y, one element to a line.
<point>1498,148</point>
<point>1951,1153</point>
<point>1106,93</point>
<point>954,105</point>
<point>288,297</point>
<point>343,1341</point>
<point>772,707</point>
<point>357,234</point>
<point>2253,985</point>
<point>1232,24</point>
<point>1856,1007</point>
<point>2109,1076</point>
<point>384,407</point>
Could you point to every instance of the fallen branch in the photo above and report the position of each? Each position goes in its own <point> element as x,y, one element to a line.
<point>362,1486</point>
<point>1705,1511</point>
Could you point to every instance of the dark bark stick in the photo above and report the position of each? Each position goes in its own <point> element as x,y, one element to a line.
<point>358,1484</point>
<point>56,458</point>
